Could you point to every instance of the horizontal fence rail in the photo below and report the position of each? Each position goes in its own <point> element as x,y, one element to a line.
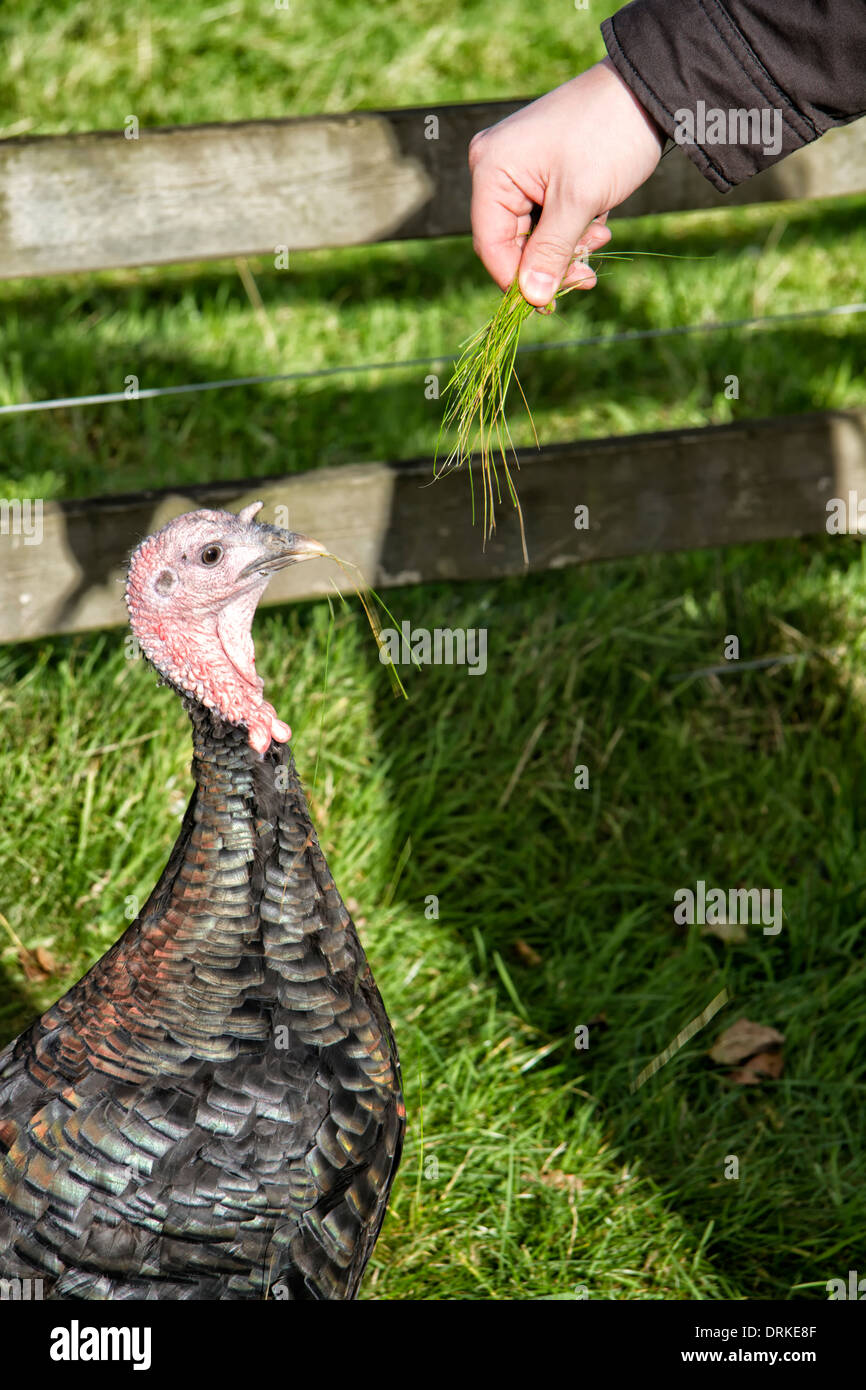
<point>95,201</point>
<point>666,491</point>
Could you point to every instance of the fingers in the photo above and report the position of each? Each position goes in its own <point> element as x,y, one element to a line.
<point>476,145</point>
<point>501,221</point>
<point>597,235</point>
<point>550,250</point>
<point>500,216</point>
<point>498,235</point>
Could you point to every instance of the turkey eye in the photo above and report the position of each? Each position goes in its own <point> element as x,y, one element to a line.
<point>212,554</point>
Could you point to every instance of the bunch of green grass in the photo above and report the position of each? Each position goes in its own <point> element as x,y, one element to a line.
<point>475,404</point>
<point>476,394</point>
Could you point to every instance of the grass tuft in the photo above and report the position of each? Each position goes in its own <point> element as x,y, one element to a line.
<point>477,390</point>
<point>475,398</point>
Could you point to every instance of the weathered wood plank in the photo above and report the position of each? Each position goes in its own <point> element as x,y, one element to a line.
<point>654,492</point>
<point>84,202</point>
<point>97,200</point>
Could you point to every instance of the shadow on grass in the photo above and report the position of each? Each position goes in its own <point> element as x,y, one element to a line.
<point>18,1008</point>
<point>754,779</point>
<point>271,431</point>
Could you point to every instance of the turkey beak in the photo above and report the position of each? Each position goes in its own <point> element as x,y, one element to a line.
<point>281,548</point>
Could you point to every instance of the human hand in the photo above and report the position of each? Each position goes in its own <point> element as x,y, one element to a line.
<point>578,151</point>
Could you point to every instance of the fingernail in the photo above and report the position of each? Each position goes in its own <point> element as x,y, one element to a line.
<point>539,285</point>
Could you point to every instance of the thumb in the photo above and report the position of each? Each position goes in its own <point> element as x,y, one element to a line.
<point>549,251</point>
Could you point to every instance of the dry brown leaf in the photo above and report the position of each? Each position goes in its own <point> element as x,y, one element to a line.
<point>766,1066</point>
<point>743,1039</point>
<point>46,961</point>
<point>38,964</point>
<point>527,953</point>
<point>30,965</point>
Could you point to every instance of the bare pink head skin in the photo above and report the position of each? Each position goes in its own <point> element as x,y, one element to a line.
<point>192,590</point>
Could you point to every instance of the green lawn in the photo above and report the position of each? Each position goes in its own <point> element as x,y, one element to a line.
<point>531,1169</point>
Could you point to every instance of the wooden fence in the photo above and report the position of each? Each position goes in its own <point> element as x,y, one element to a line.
<point>84,202</point>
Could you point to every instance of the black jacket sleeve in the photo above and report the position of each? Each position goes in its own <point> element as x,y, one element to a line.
<point>741,84</point>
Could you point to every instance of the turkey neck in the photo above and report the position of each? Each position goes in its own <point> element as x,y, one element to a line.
<point>245,928</point>
<point>222,769</point>
<point>255,906</point>
<point>239,896</point>
<point>246,807</point>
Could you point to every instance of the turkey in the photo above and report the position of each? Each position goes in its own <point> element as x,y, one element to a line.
<point>214,1111</point>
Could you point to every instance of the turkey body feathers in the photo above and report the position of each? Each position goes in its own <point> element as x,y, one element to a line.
<point>214,1110</point>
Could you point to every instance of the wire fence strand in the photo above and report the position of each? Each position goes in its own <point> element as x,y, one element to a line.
<point>405,364</point>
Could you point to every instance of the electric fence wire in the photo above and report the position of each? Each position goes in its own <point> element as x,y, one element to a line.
<point>596,340</point>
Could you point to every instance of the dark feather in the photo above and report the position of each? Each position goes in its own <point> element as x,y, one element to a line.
<point>214,1111</point>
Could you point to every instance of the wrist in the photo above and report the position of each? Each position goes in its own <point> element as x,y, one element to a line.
<point>645,124</point>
